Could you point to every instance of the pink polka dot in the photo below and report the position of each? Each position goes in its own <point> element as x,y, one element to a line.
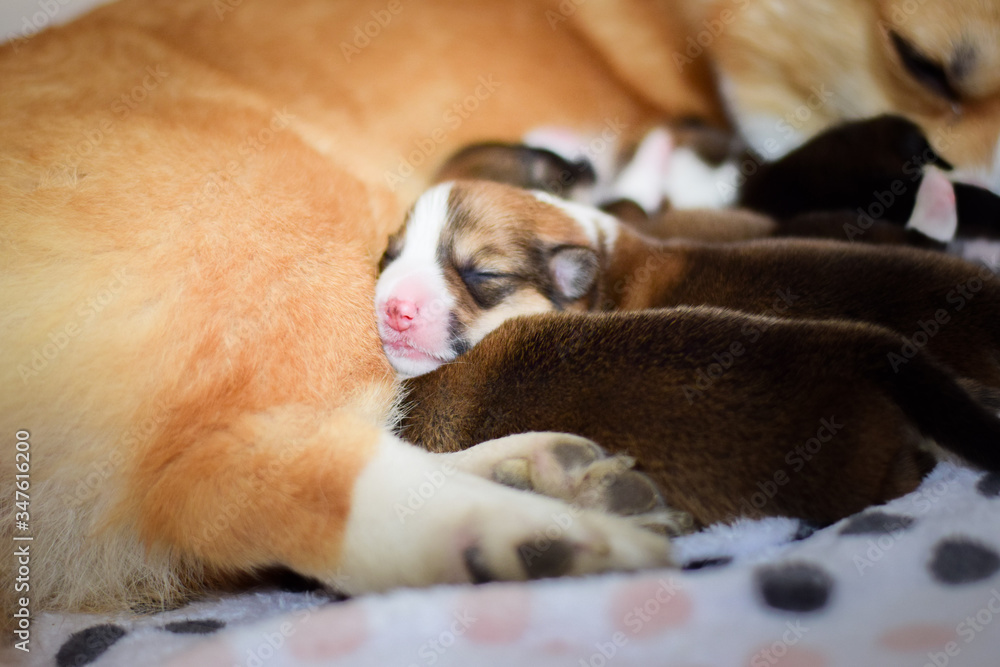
<point>496,614</point>
<point>780,654</point>
<point>557,647</point>
<point>646,608</point>
<point>330,633</point>
<point>917,638</point>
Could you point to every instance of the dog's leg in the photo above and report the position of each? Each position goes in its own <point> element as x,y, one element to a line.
<point>353,506</point>
<point>418,519</point>
<point>576,470</point>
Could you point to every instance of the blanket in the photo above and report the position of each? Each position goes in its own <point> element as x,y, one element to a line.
<point>913,583</point>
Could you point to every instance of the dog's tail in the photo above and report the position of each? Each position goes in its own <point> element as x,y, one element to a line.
<point>943,409</point>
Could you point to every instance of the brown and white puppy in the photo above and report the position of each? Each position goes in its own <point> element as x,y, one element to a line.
<point>730,414</point>
<point>473,254</point>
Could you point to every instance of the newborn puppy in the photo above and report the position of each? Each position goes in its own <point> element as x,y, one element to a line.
<point>871,169</point>
<point>521,166</point>
<point>473,254</point>
<point>665,189</point>
<point>730,414</point>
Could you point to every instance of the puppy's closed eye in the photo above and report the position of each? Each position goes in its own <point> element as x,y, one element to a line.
<point>488,288</point>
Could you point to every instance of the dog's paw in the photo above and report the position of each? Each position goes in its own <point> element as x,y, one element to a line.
<point>577,471</point>
<point>416,519</point>
<point>525,536</point>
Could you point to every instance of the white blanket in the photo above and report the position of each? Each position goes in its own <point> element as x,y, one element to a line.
<point>913,583</point>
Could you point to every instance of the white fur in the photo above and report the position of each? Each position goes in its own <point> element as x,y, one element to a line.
<point>408,500</point>
<point>935,214</point>
<point>642,179</point>
<point>424,227</point>
<point>760,130</point>
<point>418,263</point>
<point>692,183</point>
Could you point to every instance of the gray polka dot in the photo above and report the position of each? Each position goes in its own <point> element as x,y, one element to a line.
<point>989,485</point>
<point>876,523</point>
<point>86,646</point>
<point>963,561</point>
<point>706,563</point>
<point>798,587</point>
<point>202,626</point>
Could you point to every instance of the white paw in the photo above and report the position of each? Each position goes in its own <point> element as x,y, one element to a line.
<point>417,519</point>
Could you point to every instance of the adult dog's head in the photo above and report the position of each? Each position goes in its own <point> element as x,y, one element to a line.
<point>791,69</point>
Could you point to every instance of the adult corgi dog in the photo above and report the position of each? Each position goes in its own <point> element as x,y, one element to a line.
<point>193,196</point>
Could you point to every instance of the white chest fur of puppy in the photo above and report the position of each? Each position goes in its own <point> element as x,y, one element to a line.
<point>471,256</point>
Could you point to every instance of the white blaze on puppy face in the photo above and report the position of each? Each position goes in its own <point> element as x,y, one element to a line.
<point>412,300</point>
<point>474,254</point>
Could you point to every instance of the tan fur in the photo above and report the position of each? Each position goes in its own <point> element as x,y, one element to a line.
<point>844,48</point>
<point>225,219</point>
<point>229,214</point>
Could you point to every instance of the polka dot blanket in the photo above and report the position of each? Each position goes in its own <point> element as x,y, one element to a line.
<point>913,583</point>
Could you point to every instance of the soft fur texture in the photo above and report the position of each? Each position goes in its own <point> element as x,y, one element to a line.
<point>193,195</point>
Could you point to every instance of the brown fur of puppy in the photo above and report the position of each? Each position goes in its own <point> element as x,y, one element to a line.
<point>716,405</point>
<point>941,303</point>
<point>938,302</point>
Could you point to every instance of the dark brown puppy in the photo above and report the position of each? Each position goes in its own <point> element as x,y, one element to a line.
<point>730,414</point>
<point>483,252</point>
<point>938,302</point>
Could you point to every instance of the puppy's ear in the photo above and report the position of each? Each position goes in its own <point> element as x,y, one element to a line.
<point>573,270</point>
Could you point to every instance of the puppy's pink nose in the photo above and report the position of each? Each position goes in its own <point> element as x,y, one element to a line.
<point>399,314</point>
